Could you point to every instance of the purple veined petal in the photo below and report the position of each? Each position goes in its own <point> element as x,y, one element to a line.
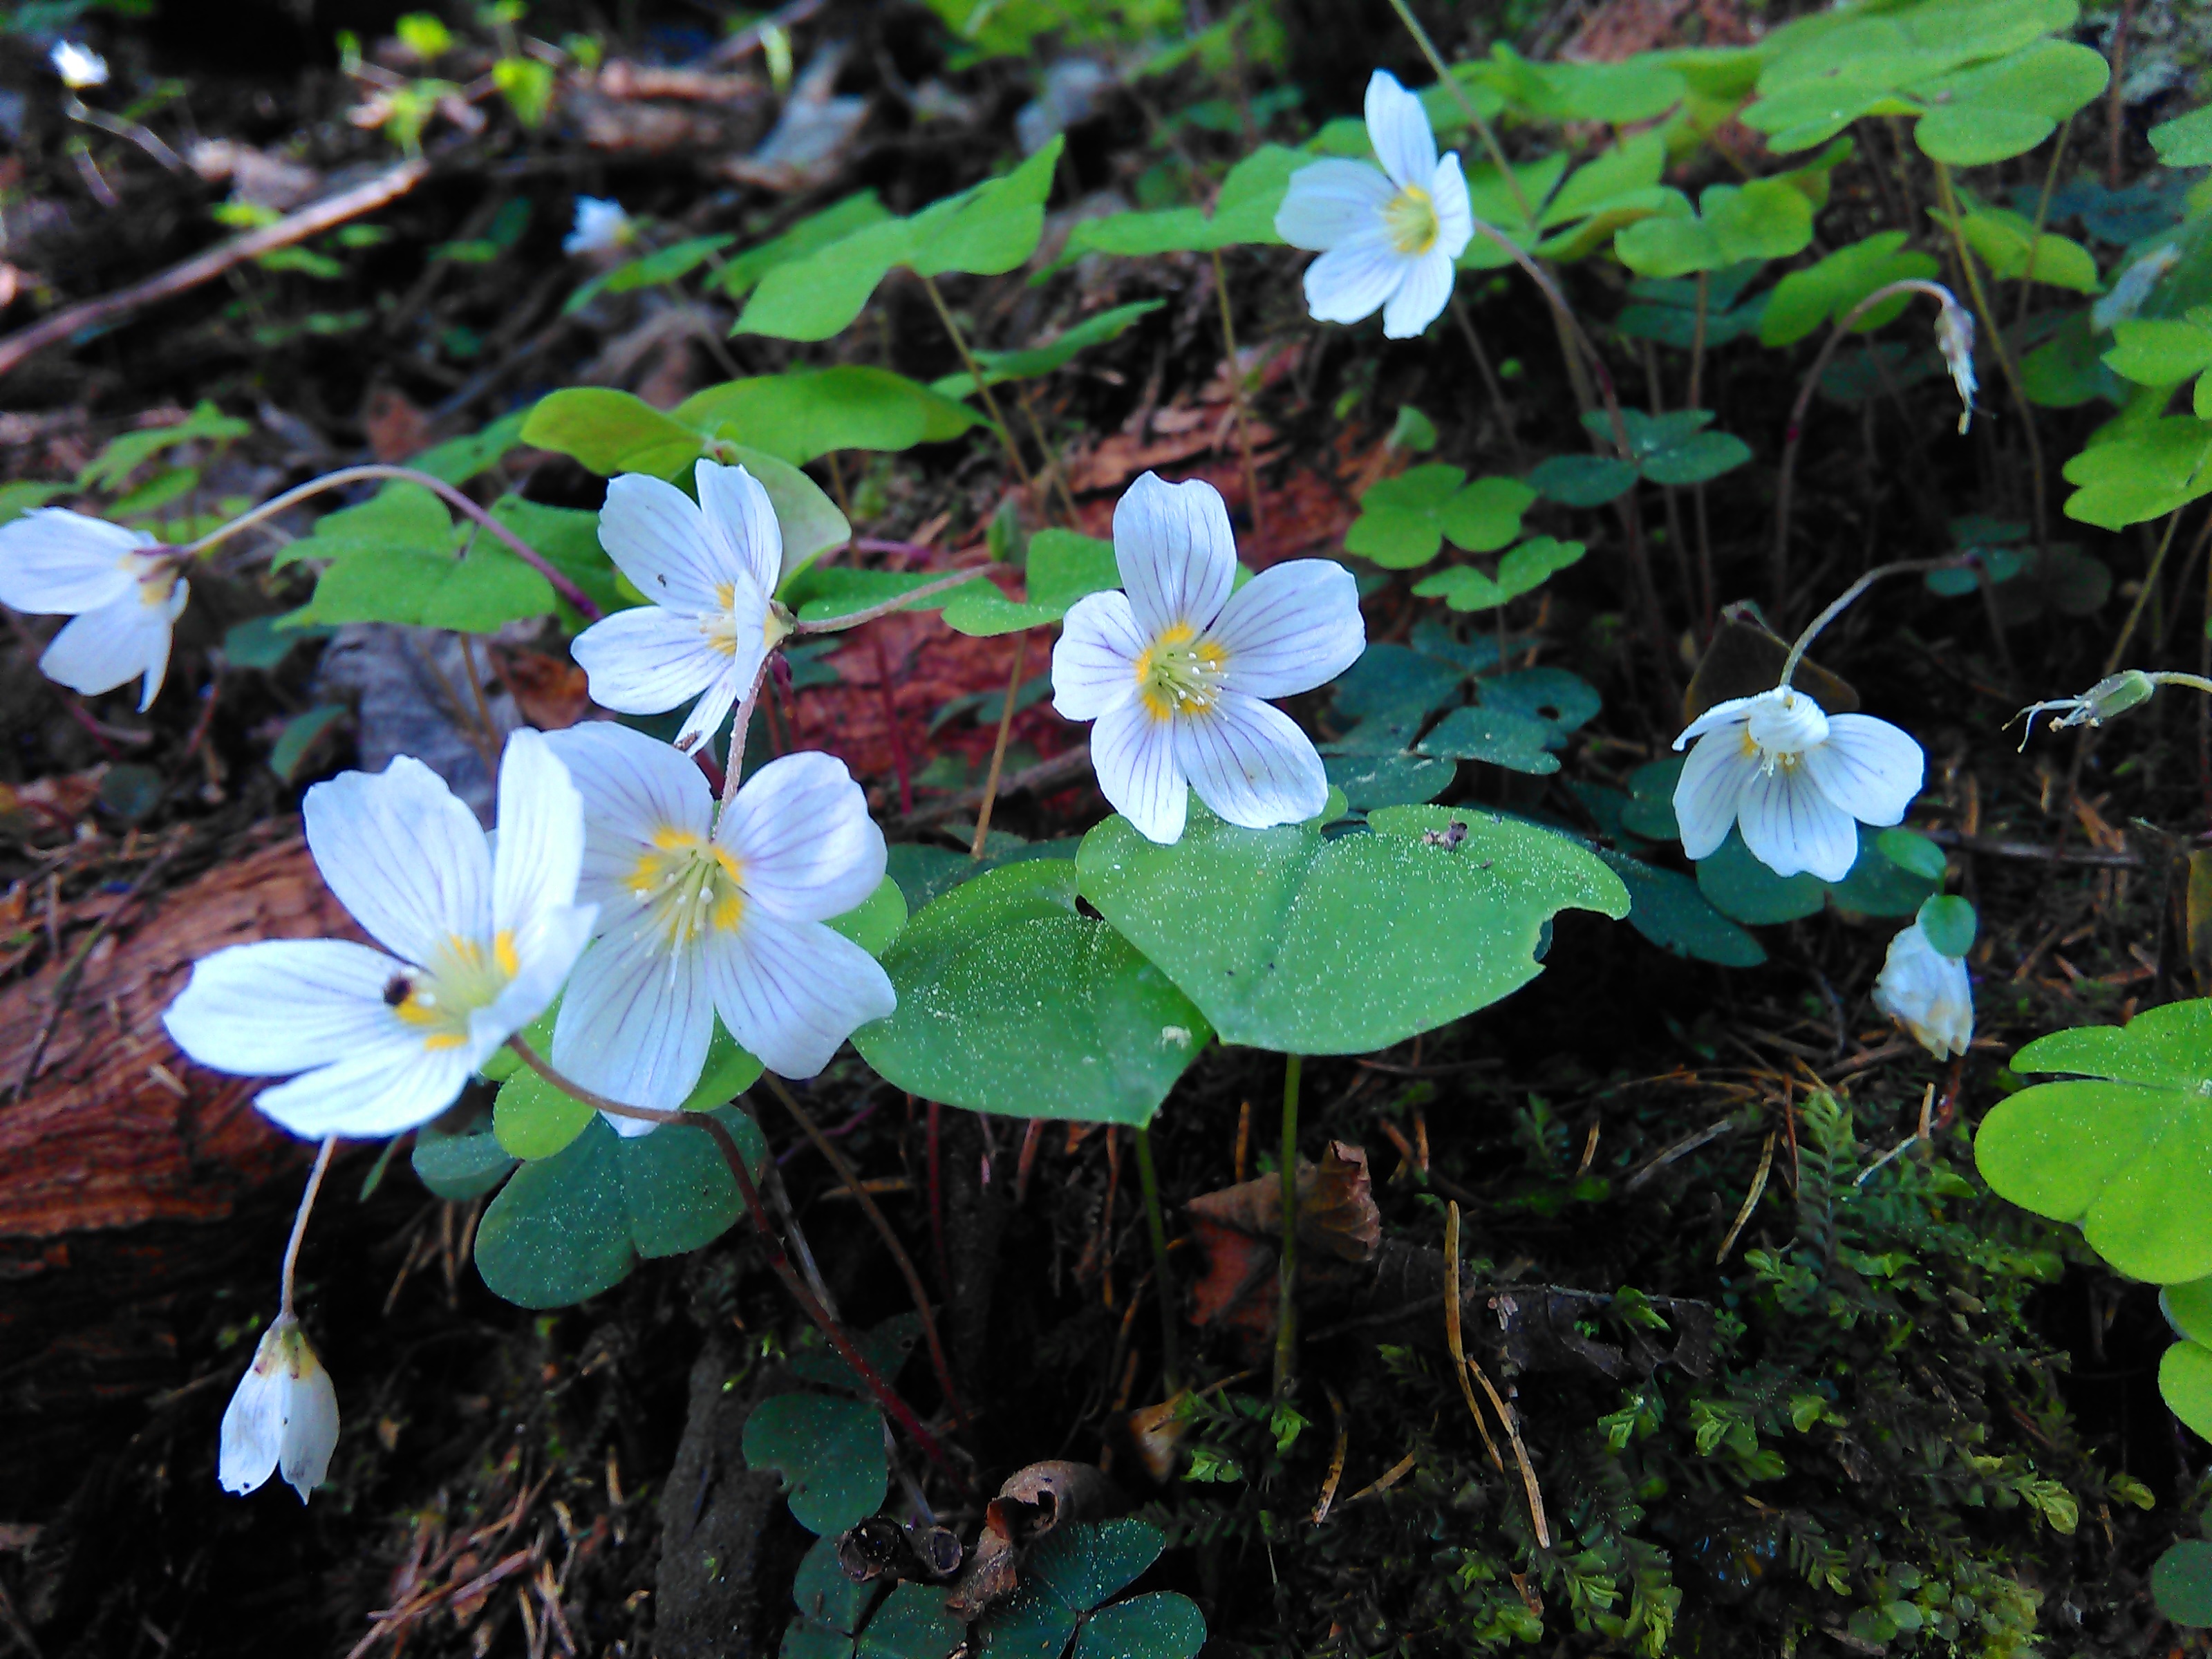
<point>713,707</point>
<point>1250,763</point>
<point>637,1018</point>
<point>1354,279</point>
<point>1867,767</point>
<point>1292,627</point>
<point>646,660</point>
<point>741,521</point>
<point>540,849</point>
<point>282,1005</point>
<point>403,855</point>
<point>1710,789</point>
<point>375,1092</point>
<point>1094,662</point>
<point>636,790</point>
<point>1736,711</point>
<point>1333,201</point>
<point>1134,757</point>
<point>806,847</point>
<point>104,648</point>
<point>1793,828</point>
<point>656,537</point>
<point>790,993</point>
<point>56,562</point>
<point>1399,129</point>
<point>1176,551</point>
<point>310,1434</point>
<point>1421,295</point>
<point>252,1426</point>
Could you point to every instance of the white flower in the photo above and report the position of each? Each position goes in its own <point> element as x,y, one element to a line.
<point>284,1416</point>
<point>1174,669</point>
<point>601,227</point>
<point>480,939</point>
<point>1386,235</point>
<point>80,67</point>
<point>124,599</point>
<point>703,913</point>
<point>1955,339</point>
<point>710,568</point>
<point>1795,777</point>
<point>1927,992</point>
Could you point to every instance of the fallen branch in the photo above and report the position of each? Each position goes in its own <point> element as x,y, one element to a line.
<point>310,221</point>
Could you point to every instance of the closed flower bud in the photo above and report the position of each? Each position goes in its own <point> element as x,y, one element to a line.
<point>284,1417</point>
<point>1955,339</point>
<point>1927,992</point>
<point>2113,695</point>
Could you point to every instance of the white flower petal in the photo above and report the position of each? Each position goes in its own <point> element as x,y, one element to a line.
<point>635,1022</point>
<point>1292,627</point>
<point>657,536</point>
<point>714,705</point>
<point>1353,279</point>
<point>157,667</point>
<point>806,846</point>
<point>253,1428</point>
<point>1399,129</point>
<point>646,660</point>
<point>1736,711</point>
<point>375,1092</point>
<point>741,522</point>
<point>310,1433</point>
<point>1927,992</point>
<point>1094,664</point>
<point>792,992</point>
<point>56,562</point>
<point>1869,767</point>
<point>1333,201</point>
<point>1454,212</point>
<point>1791,827</point>
<point>1421,295</point>
<point>1710,790</point>
<point>546,948</point>
<point>101,649</point>
<point>1134,757</point>
<point>632,789</point>
<point>1250,763</point>
<point>1176,551</point>
<point>540,849</point>
<point>403,855</point>
<point>284,1004</point>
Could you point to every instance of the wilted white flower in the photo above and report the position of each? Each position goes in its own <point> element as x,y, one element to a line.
<point>80,67</point>
<point>2132,288</point>
<point>601,227</point>
<point>2113,695</point>
<point>1927,992</point>
<point>1955,339</point>
<point>1386,235</point>
<point>1174,669</point>
<point>284,1416</point>
<point>481,941</point>
<point>703,913</point>
<point>119,587</point>
<point>1796,778</point>
<point>711,568</point>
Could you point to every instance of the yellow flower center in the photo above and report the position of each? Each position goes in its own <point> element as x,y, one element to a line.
<point>462,977</point>
<point>1411,218</point>
<point>690,883</point>
<point>1179,673</point>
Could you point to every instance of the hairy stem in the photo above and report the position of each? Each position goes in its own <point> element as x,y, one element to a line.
<point>1163,1278</point>
<point>453,497</point>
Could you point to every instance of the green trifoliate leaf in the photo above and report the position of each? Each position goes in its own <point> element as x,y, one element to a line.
<point>398,558</point>
<point>1012,1001</point>
<point>2181,1580</point>
<point>810,236</point>
<point>2184,1383</point>
<point>2144,473</point>
<point>1497,736</point>
<point>1825,292</point>
<point>2007,242</point>
<point>460,1167</point>
<point>1584,480</point>
<point>609,432</point>
<point>804,413</point>
<point>1667,908</point>
<point>2159,351</point>
<point>1767,219</point>
<point>2185,141</point>
<point>1063,567</point>
<point>1288,941</point>
<point>1522,570</point>
<point>1913,852</point>
<point>829,1451</point>
<point>1404,521</point>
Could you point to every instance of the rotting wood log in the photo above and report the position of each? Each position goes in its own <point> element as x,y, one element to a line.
<point>117,1128</point>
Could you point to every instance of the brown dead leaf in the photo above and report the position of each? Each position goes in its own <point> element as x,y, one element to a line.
<point>1153,1435</point>
<point>1337,1215</point>
<point>395,428</point>
<point>552,694</point>
<point>1030,1505</point>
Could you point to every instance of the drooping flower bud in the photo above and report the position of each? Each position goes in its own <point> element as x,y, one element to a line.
<point>1927,992</point>
<point>80,67</point>
<point>1955,339</point>
<point>284,1417</point>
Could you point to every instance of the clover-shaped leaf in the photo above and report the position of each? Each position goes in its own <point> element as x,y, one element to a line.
<point>1010,1001</point>
<point>2145,473</point>
<point>829,1451</point>
<point>2181,1579</point>
<point>1067,1582</point>
<point>803,413</point>
<point>1522,570</point>
<point>1289,941</point>
<point>1404,521</point>
<point>1499,736</point>
<point>1766,219</point>
<point>832,1608</point>
<point>1826,291</point>
<point>2123,1148</point>
<point>1666,908</point>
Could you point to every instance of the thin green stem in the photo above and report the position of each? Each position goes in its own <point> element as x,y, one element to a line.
<point>446,492</point>
<point>2039,510</point>
<point>2143,595</point>
<point>1162,1277</point>
<point>2042,218</point>
<point>300,1224</point>
<point>1490,381</point>
<point>1237,392</point>
<point>1466,107</point>
<point>1842,602</point>
<point>999,748</point>
<point>982,385</point>
<point>1286,1332</point>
